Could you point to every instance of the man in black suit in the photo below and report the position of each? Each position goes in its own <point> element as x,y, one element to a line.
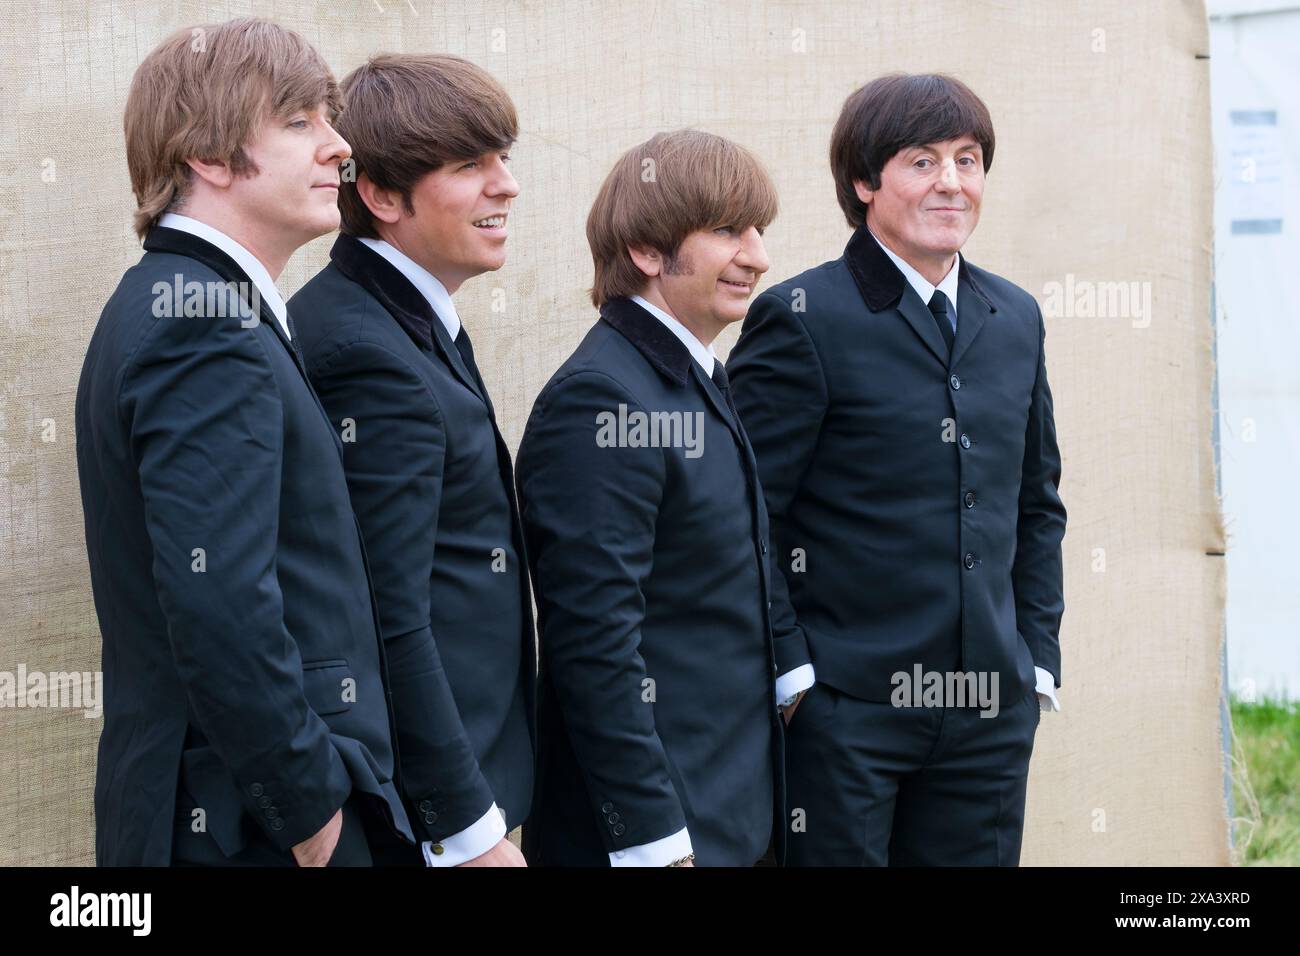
<point>659,736</point>
<point>246,718</point>
<point>430,476</point>
<point>898,404</point>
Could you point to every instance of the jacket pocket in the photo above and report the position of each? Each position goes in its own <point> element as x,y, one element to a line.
<point>329,686</point>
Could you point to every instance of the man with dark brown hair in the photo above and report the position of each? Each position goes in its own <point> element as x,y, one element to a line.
<point>898,403</point>
<point>428,471</point>
<point>659,737</point>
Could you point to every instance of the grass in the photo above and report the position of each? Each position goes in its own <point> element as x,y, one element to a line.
<point>1266,783</point>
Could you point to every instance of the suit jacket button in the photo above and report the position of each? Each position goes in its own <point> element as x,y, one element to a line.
<point>619,829</point>
<point>955,382</point>
<point>263,801</point>
<point>606,807</point>
<point>762,545</point>
<point>613,818</point>
<point>969,561</point>
<point>277,824</point>
<point>426,806</point>
<point>431,817</point>
<point>256,790</point>
<point>965,440</point>
<point>970,499</point>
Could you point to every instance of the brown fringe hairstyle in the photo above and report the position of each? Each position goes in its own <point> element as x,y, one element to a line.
<point>661,191</point>
<point>204,92</point>
<point>409,114</point>
<point>894,113</point>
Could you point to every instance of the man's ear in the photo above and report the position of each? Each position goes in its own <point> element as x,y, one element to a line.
<point>647,259</point>
<point>865,192</point>
<point>213,172</point>
<point>384,204</point>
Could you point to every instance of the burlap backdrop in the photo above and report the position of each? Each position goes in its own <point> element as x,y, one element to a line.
<point>1103,173</point>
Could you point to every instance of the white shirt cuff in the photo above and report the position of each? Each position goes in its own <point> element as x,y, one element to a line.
<point>475,840</point>
<point>1047,687</point>
<point>659,853</point>
<point>791,682</point>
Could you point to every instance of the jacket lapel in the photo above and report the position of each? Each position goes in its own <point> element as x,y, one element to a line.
<point>921,319</point>
<point>178,242</point>
<point>720,405</point>
<point>973,309</point>
<point>666,353</point>
<point>446,346</point>
<point>404,302</point>
<point>181,243</point>
<point>883,287</point>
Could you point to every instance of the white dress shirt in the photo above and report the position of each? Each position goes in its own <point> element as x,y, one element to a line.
<point>1044,683</point>
<point>243,258</point>
<point>488,830</point>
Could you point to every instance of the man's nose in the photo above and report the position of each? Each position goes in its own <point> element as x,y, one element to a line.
<point>948,175</point>
<point>753,254</point>
<point>335,147</point>
<point>503,183</point>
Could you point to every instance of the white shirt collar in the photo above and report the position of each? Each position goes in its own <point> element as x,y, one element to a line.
<point>947,285</point>
<point>425,281</point>
<point>704,355</point>
<point>243,258</point>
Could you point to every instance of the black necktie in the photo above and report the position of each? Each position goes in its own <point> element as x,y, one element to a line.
<point>467,353</point>
<point>724,386</point>
<point>943,317</point>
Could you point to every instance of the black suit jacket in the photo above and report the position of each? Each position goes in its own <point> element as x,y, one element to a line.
<point>920,488</point>
<point>657,706</point>
<point>249,673</point>
<point>432,486</point>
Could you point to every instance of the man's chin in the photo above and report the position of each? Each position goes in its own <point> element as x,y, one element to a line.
<point>491,264</point>
<point>321,225</point>
<point>949,241</point>
<point>730,315</point>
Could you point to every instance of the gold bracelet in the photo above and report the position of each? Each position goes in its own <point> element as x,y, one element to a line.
<point>688,858</point>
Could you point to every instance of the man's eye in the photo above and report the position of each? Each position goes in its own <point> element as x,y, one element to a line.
<point>470,165</point>
<point>300,124</point>
<point>726,230</point>
<point>920,161</point>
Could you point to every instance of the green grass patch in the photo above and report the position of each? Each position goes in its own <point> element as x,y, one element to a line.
<point>1266,783</point>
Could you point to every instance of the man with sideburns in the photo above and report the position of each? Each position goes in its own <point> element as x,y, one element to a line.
<point>898,403</point>
<point>246,717</point>
<point>429,474</point>
<point>659,735</point>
